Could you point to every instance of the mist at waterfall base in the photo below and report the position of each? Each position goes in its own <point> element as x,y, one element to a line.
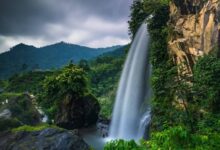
<point>130,118</point>
<point>131,114</point>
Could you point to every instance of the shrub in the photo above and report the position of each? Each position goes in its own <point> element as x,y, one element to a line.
<point>180,138</point>
<point>28,128</point>
<point>207,83</point>
<point>124,145</point>
<point>70,80</point>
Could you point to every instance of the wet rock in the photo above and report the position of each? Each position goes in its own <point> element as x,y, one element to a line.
<point>103,127</point>
<point>76,112</point>
<point>5,114</point>
<point>47,139</point>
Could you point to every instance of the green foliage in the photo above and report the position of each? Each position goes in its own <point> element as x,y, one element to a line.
<point>164,71</point>
<point>4,96</point>
<point>84,64</point>
<point>29,81</point>
<point>172,139</point>
<point>105,72</point>
<point>137,17</point>
<point>106,104</point>
<point>180,138</point>
<point>104,77</point>
<point>70,80</point>
<point>3,85</point>
<point>124,145</point>
<point>33,128</point>
<point>207,83</point>
<point>7,124</point>
<point>22,109</point>
<point>151,7</point>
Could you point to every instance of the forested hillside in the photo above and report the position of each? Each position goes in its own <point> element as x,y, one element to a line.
<point>23,58</point>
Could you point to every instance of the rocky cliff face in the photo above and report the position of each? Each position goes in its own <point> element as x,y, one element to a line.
<point>195,31</point>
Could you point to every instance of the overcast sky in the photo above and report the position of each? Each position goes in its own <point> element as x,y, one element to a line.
<point>94,23</point>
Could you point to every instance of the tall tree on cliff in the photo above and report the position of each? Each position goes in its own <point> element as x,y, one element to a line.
<point>137,16</point>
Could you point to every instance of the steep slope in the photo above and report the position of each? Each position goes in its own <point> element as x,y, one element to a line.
<point>25,58</point>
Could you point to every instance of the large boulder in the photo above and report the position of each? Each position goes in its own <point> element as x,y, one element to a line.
<point>47,139</point>
<point>77,112</point>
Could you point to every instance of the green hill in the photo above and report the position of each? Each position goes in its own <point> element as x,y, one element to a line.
<point>22,58</point>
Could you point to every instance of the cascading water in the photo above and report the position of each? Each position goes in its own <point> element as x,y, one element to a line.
<point>128,122</point>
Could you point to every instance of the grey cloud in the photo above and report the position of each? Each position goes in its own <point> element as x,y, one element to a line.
<point>30,16</point>
<point>25,16</point>
<point>109,9</point>
<point>55,20</point>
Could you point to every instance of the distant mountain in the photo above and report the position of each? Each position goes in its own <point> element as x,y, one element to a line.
<point>23,57</point>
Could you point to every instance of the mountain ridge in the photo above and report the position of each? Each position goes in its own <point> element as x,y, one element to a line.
<point>60,43</point>
<point>24,57</point>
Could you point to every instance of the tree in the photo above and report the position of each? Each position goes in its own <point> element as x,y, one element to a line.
<point>70,80</point>
<point>207,83</point>
<point>84,65</point>
<point>137,17</point>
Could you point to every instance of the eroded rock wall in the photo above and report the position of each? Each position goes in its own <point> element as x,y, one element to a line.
<point>194,31</point>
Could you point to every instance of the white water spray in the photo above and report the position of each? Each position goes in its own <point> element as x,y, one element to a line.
<point>128,121</point>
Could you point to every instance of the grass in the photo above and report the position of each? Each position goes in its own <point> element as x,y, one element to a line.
<point>39,127</point>
<point>5,96</point>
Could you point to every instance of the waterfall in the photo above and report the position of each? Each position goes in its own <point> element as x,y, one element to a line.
<point>129,121</point>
